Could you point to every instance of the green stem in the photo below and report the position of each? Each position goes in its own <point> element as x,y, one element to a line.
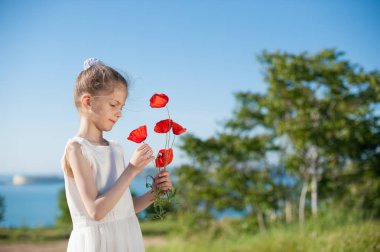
<point>166,140</point>
<point>168,134</point>
<point>166,158</point>
<point>173,142</point>
<point>167,109</point>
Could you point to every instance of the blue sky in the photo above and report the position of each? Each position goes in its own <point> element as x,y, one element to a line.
<point>197,52</point>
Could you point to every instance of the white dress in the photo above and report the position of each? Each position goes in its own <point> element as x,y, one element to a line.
<point>119,230</point>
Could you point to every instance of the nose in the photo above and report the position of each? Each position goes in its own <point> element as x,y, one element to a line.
<point>119,113</point>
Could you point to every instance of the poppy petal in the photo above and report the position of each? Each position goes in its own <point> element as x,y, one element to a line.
<point>178,129</point>
<point>163,126</point>
<point>138,135</point>
<point>164,157</point>
<point>159,100</point>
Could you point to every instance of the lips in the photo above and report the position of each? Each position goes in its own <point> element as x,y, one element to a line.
<point>112,121</point>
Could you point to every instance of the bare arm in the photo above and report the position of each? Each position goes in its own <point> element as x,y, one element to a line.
<point>162,180</point>
<point>97,206</point>
<point>143,201</point>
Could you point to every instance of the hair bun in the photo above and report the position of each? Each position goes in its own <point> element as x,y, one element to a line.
<point>90,62</point>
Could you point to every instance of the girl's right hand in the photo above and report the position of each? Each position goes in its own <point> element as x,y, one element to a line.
<point>141,157</point>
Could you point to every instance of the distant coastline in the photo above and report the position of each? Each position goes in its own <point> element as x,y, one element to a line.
<point>29,179</point>
<point>39,194</point>
<point>19,180</point>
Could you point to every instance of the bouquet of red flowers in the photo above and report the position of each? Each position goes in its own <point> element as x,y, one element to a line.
<point>164,156</point>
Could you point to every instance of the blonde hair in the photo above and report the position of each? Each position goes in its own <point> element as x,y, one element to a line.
<point>97,79</point>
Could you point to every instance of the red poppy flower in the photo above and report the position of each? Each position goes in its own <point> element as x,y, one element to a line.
<point>165,157</point>
<point>138,135</point>
<point>159,100</point>
<point>163,126</point>
<point>178,129</point>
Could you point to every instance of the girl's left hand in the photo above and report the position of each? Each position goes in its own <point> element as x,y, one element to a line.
<point>162,181</point>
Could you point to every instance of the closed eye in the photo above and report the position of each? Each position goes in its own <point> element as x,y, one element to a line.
<point>114,106</point>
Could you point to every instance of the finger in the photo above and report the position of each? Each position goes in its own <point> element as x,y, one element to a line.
<point>164,179</point>
<point>161,179</point>
<point>160,173</point>
<point>149,153</point>
<point>165,188</point>
<point>142,146</point>
<point>163,173</point>
<point>145,148</point>
<point>165,184</point>
<point>145,152</point>
<point>148,156</point>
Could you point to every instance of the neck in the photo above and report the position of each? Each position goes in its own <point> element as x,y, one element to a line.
<point>89,131</point>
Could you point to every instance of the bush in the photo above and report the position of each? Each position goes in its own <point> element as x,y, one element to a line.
<point>2,208</point>
<point>64,219</point>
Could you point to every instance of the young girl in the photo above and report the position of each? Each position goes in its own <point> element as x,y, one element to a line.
<point>96,178</point>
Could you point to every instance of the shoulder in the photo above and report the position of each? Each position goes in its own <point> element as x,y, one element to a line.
<point>77,149</point>
<point>74,149</point>
<point>73,156</point>
<point>74,143</point>
<point>73,146</point>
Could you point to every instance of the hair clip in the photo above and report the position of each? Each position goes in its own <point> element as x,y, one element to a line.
<point>90,62</point>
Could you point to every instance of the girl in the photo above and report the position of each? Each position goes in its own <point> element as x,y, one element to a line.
<point>96,179</point>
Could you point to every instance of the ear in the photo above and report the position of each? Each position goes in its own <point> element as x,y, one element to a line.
<point>86,101</point>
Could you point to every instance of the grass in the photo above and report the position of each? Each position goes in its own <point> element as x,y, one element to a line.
<point>44,234</point>
<point>332,232</point>
<point>40,234</point>
<point>315,236</point>
<point>157,228</point>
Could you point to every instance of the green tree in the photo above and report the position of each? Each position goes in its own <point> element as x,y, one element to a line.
<point>2,208</point>
<point>64,218</point>
<point>324,107</point>
<point>229,171</point>
<point>196,187</point>
<point>319,115</point>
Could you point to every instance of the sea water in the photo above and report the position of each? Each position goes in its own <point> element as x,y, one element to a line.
<point>36,204</point>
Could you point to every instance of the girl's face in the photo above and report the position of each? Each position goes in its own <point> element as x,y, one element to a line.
<point>107,109</point>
